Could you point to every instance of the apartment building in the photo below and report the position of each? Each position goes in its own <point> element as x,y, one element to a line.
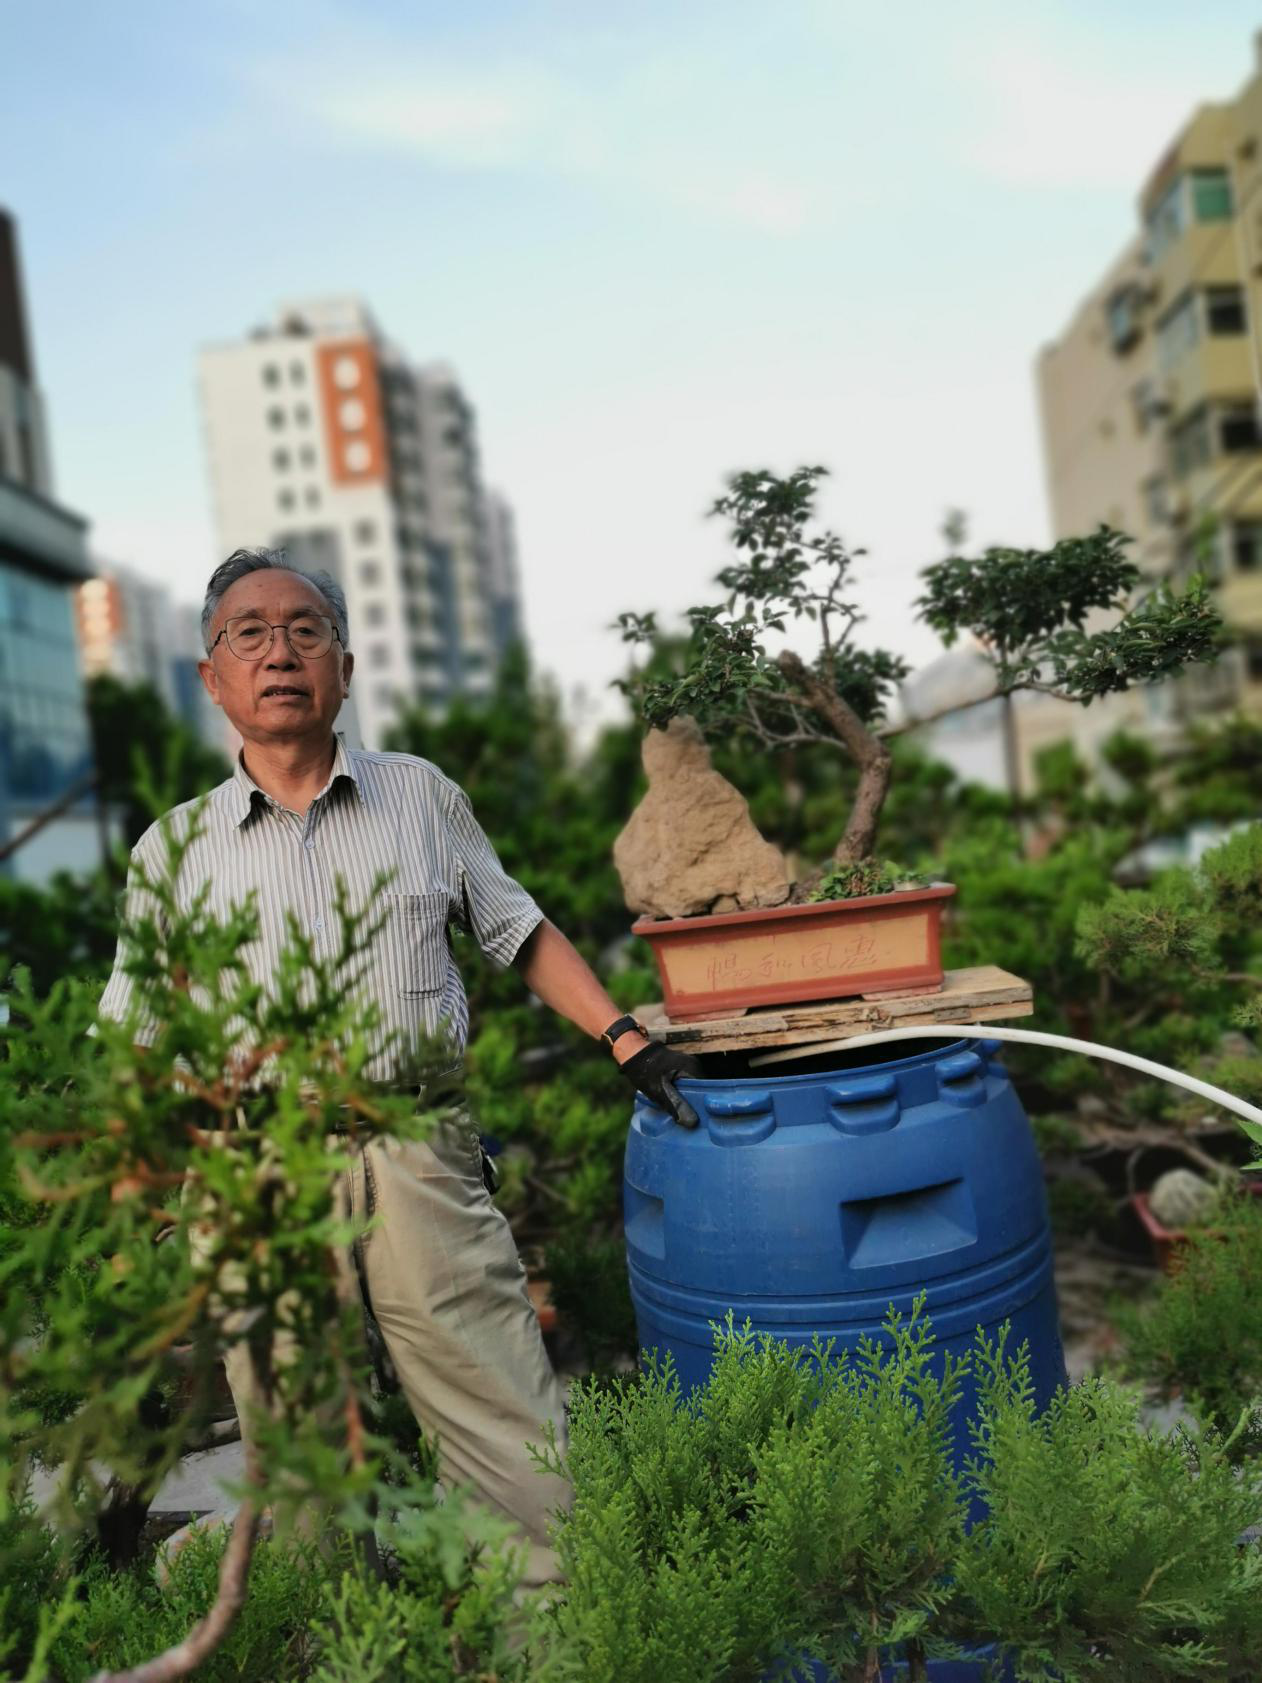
<point>131,627</point>
<point>1150,407</point>
<point>325,439</point>
<point>45,746</point>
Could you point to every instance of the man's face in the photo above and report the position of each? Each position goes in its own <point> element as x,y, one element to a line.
<point>283,696</point>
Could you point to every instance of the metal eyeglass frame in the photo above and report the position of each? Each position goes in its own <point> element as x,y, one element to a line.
<point>334,636</point>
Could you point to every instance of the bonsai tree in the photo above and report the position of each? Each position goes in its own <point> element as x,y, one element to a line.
<point>1026,610</point>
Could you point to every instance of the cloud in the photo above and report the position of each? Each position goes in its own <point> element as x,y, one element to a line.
<point>680,135</point>
<point>471,122</point>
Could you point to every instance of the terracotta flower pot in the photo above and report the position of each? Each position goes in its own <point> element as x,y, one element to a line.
<point>1167,1240</point>
<point>720,965</point>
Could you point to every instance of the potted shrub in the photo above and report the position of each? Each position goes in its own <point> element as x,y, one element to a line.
<point>1023,610</point>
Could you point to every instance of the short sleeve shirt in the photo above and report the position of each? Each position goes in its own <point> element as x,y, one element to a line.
<point>379,814</point>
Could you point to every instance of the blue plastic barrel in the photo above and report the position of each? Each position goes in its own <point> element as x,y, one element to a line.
<point>808,1202</point>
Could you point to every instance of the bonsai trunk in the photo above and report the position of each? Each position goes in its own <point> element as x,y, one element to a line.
<point>864,747</point>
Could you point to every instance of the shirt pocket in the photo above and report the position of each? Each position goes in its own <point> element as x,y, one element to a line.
<point>415,937</point>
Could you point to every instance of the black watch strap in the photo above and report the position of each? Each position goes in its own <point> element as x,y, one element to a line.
<point>623,1025</point>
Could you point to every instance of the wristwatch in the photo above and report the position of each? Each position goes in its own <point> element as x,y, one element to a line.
<point>623,1025</point>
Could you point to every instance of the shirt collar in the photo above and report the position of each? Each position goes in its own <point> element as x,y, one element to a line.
<point>243,790</point>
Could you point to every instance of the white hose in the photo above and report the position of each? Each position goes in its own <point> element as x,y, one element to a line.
<point>1031,1037</point>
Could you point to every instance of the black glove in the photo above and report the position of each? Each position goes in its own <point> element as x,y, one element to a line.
<point>654,1071</point>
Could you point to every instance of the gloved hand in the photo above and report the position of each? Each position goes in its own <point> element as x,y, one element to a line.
<point>654,1071</point>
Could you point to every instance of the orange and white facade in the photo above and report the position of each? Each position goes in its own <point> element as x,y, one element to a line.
<point>324,439</point>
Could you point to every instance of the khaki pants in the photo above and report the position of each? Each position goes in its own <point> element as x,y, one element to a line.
<point>445,1285</point>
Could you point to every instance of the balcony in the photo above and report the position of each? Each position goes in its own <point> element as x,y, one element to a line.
<point>41,536</point>
<point>1240,602</point>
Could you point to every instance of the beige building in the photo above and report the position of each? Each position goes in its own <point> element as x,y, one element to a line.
<point>1150,416</point>
<point>323,438</point>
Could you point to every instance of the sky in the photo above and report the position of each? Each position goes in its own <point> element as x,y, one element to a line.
<point>658,242</point>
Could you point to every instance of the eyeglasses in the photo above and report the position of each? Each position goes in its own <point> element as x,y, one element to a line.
<point>250,638</point>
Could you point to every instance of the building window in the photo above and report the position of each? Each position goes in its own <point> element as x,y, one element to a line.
<point>271,374</point>
<point>365,531</point>
<point>1178,330</point>
<point>276,418</point>
<point>370,572</point>
<point>1190,443</point>
<point>280,460</point>
<point>1156,503</point>
<point>302,415</point>
<point>352,414</point>
<point>297,374</point>
<point>1253,662</point>
<point>1166,220</point>
<point>375,614</point>
<point>1246,546</point>
<point>378,654</point>
<point>385,697</point>
<point>357,456</point>
<point>1122,312</point>
<point>285,500</point>
<point>1238,428</point>
<point>1224,309</point>
<point>311,497</point>
<point>346,373</point>
<point>1211,195</point>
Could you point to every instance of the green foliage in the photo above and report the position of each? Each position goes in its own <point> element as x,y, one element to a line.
<point>120,1619</point>
<point>1029,608</point>
<point>792,1508</point>
<point>1026,609</point>
<point>591,1294</point>
<point>171,1178</point>
<point>440,1611</point>
<point>712,1532</point>
<point>865,876</point>
<point>67,928</point>
<point>785,572</point>
<point>1134,931</point>
<point>1201,1334</point>
<point>1108,1551</point>
<point>137,743</point>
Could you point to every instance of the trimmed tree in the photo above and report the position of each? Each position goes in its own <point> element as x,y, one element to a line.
<point>1025,609</point>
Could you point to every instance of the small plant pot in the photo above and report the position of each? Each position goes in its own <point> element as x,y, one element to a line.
<point>1167,1240</point>
<point>722,964</point>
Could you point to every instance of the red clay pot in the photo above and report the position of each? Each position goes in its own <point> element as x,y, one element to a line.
<point>1166,1240</point>
<point>720,965</point>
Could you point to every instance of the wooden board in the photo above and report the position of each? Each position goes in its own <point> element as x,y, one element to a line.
<point>983,993</point>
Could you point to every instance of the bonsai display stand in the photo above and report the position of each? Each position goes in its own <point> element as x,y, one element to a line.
<point>983,993</point>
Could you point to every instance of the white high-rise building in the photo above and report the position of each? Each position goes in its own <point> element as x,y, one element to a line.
<point>324,439</point>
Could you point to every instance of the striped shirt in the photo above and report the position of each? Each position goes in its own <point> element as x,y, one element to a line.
<point>377,814</point>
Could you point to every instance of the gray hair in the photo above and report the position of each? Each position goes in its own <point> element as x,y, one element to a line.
<point>242,562</point>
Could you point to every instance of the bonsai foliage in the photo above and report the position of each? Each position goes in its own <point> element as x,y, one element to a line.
<point>175,1181</point>
<point>864,876</point>
<point>1027,610</point>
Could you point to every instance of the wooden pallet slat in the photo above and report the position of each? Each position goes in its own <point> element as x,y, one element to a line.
<point>981,993</point>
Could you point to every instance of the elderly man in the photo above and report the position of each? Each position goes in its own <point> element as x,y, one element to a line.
<point>301,811</point>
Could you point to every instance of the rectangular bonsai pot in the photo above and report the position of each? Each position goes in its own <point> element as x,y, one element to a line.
<point>720,965</point>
